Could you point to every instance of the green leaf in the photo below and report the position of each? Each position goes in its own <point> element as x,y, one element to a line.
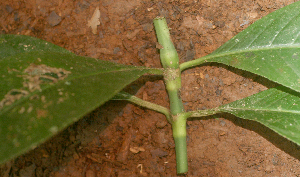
<point>42,92</point>
<point>270,47</point>
<point>276,108</point>
<point>15,44</point>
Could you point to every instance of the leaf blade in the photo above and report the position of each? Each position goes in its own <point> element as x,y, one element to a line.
<point>270,47</point>
<point>276,108</point>
<point>45,107</point>
<point>15,44</point>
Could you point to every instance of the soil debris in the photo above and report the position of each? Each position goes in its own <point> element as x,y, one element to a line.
<point>54,19</point>
<point>95,20</point>
<point>136,150</point>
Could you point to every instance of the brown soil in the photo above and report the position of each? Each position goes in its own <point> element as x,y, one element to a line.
<point>120,139</point>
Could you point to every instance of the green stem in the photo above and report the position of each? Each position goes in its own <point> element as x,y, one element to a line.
<point>133,99</point>
<point>168,55</point>
<point>172,76</point>
<point>172,79</point>
<point>179,135</point>
<point>193,63</point>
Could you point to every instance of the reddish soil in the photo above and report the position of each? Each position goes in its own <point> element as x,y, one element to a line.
<point>121,139</point>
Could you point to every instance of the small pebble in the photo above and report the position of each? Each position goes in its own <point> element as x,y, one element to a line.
<point>222,123</point>
<point>16,16</point>
<point>9,9</point>
<point>116,50</point>
<point>158,153</point>
<point>54,19</point>
<point>161,124</point>
<point>190,54</point>
<point>218,92</point>
<point>180,46</point>
<point>28,171</point>
<point>90,173</point>
<point>148,27</point>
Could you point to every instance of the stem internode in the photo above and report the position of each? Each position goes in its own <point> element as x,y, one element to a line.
<point>172,76</point>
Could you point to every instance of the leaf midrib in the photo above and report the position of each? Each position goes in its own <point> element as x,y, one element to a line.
<point>254,49</point>
<point>261,110</point>
<point>213,57</point>
<point>59,82</point>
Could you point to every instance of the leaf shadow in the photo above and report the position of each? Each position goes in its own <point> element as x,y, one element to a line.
<point>277,140</point>
<point>246,74</point>
<point>77,138</point>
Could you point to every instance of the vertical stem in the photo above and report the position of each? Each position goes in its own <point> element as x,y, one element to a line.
<point>172,79</point>
<point>179,134</point>
<point>172,76</point>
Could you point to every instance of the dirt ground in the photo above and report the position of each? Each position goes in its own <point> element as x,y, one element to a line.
<point>121,139</point>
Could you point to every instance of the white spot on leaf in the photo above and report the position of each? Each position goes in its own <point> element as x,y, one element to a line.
<point>53,129</point>
<point>22,110</point>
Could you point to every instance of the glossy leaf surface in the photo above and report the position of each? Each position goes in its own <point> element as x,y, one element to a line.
<point>15,44</point>
<point>270,47</point>
<point>43,91</point>
<point>276,108</point>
